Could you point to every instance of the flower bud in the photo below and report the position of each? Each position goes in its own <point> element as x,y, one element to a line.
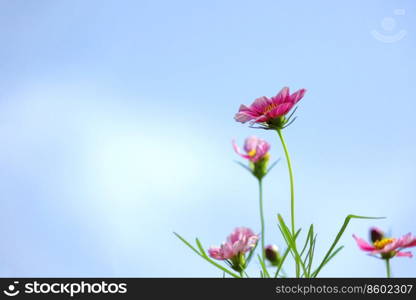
<point>257,153</point>
<point>272,254</point>
<point>260,167</point>
<point>238,262</point>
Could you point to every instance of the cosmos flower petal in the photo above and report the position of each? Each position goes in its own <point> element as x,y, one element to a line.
<point>243,117</point>
<point>240,241</point>
<point>280,110</point>
<point>215,252</point>
<point>251,143</point>
<point>404,254</point>
<point>407,241</point>
<point>296,96</point>
<point>254,147</point>
<point>260,104</point>
<point>362,244</point>
<point>237,150</point>
<point>282,96</point>
<point>244,108</point>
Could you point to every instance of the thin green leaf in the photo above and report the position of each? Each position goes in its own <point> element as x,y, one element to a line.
<point>279,267</point>
<point>244,166</point>
<point>311,254</point>
<point>337,238</point>
<point>291,242</point>
<point>289,246</point>
<point>308,237</point>
<point>263,267</point>
<point>201,249</point>
<point>273,165</point>
<point>311,242</point>
<point>290,122</point>
<point>187,243</point>
<point>284,257</point>
<point>293,112</point>
<point>333,254</point>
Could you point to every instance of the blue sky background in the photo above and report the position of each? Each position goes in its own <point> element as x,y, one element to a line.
<point>116,119</point>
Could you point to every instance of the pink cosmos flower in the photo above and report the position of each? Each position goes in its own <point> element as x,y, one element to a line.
<point>264,109</point>
<point>388,247</point>
<point>255,148</point>
<point>238,243</point>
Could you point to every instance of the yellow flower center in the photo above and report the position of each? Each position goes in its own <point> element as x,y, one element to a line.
<point>252,153</point>
<point>383,242</point>
<point>269,108</point>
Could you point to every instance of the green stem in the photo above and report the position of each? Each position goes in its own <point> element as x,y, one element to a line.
<point>261,217</point>
<point>292,193</point>
<point>292,186</point>
<point>388,268</point>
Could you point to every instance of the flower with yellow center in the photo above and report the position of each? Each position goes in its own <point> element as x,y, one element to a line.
<point>269,108</point>
<point>252,153</point>
<point>383,243</point>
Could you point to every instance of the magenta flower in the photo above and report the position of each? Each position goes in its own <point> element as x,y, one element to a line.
<point>254,147</point>
<point>233,250</point>
<point>270,110</point>
<point>387,247</point>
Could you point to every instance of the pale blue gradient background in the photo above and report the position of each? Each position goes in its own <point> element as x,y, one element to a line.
<point>116,119</point>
